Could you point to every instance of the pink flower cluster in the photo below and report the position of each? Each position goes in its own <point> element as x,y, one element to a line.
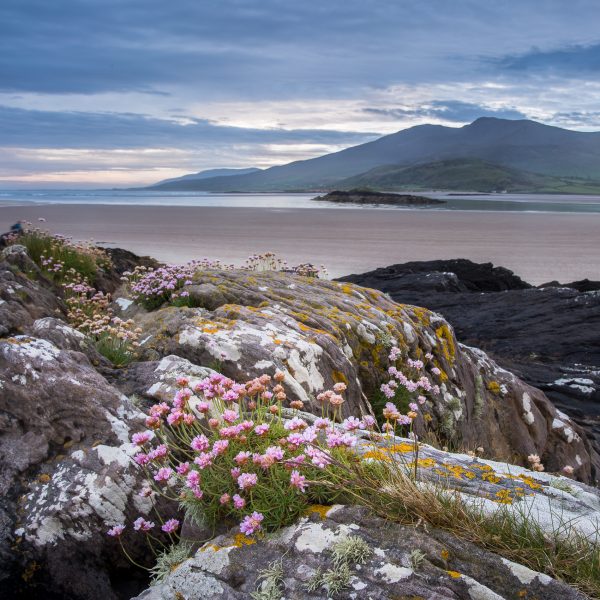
<point>417,382</point>
<point>182,446</point>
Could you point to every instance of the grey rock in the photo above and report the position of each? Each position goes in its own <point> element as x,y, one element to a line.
<point>450,568</point>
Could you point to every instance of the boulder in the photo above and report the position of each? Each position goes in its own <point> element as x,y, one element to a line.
<point>25,294</point>
<point>400,562</point>
<point>65,471</point>
<point>549,336</point>
<point>322,332</point>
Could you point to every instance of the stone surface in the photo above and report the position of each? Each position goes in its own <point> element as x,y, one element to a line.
<point>65,471</point>
<point>449,568</point>
<point>548,336</point>
<point>25,295</point>
<point>321,332</point>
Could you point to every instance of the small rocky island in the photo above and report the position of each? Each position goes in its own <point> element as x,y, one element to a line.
<point>372,197</point>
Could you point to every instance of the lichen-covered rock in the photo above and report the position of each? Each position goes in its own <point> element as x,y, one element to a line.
<point>23,298</point>
<point>401,562</point>
<point>65,471</point>
<point>321,332</point>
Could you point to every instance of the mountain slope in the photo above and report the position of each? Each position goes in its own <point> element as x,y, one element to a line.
<point>520,144</point>
<point>465,174</point>
<point>208,174</point>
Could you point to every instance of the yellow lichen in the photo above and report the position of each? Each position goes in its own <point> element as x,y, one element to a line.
<point>459,472</point>
<point>454,574</point>
<point>44,478</point>
<point>445,336</point>
<point>445,554</point>
<point>491,477</point>
<point>494,387</point>
<point>320,509</point>
<point>504,497</point>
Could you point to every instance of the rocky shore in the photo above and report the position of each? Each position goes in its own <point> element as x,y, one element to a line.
<point>68,413</point>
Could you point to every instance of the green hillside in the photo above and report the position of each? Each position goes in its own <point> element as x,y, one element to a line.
<point>465,174</point>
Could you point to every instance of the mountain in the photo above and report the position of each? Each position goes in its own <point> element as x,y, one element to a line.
<point>465,174</point>
<point>519,144</point>
<point>208,174</point>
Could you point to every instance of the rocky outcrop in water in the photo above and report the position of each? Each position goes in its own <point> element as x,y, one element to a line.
<point>371,197</point>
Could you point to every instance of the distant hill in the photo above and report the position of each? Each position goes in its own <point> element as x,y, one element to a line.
<point>465,174</point>
<point>518,144</point>
<point>208,174</point>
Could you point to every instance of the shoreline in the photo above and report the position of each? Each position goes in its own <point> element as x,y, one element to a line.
<point>539,247</point>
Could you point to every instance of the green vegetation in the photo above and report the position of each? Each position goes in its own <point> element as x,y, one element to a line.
<point>467,174</point>
<point>562,552</point>
<point>58,257</point>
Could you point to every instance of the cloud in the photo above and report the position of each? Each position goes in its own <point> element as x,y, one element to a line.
<point>53,129</point>
<point>576,60</point>
<point>453,111</point>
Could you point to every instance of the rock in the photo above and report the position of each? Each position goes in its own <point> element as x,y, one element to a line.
<point>371,197</point>
<point>446,568</point>
<point>24,299</point>
<point>206,296</point>
<point>549,336</point>
<point>65,471</point>
<point>320,332</point>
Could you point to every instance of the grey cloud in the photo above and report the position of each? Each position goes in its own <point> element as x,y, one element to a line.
<point>454,111</point>
<point>52,129</point>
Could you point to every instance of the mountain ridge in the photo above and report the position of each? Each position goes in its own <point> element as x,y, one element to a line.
<point>519,144</point>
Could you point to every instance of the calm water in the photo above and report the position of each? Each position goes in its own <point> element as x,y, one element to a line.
<point>466,202</point>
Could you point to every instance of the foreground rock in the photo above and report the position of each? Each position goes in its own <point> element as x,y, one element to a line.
<point>321,332</point>
<point>403,562</point>
<point>549,336</point>
<point>65,471</point>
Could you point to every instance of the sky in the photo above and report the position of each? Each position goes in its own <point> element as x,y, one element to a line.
<point>103,93</point>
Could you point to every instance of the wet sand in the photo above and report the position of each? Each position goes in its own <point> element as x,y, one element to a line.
<point>537,246</point>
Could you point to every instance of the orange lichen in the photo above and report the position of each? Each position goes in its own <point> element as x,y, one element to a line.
<point>454,574</point>
<point>494,387</point>
<point>459,472</point>
<point>504,497</point>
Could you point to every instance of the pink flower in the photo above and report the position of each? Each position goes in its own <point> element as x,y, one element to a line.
<point>141,458</point>
<point>225,498</point>
<point>436,371</point>
<point>421,399</point>
<point>193,479</point>
<point>116,531</point>
<point>339,387</point>
<point>295,424</point>
<point>141,524</point>
<point>235,472</point>
<point>251,523</point>
<point>298,481</point>
<point>413,406</point>
<point>139,439</point>
<point>158,452</point>
<point>183,468</point>
<point>247,480</point>
<point>368,421</point>
<point>213,423</point>
<point>163,474</point>
<point>242,457</point>
<point>203,407</point>
<point>322,423</point>
<point>261,429</point>
<point>220,446</point>
<point>183,381</point>
<point>203,460</point>
<point>229,416</point>
<point>238,502</point>
<point>351,424</point>
<point>200,443</point>
<point>170,526</point>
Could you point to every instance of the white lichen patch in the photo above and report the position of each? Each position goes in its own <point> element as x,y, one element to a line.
<point>393,573</point>
<point>478,591</point>
<point>527,412</point>
<point>526,575</point>
<point>123,303</point>
<point>213,559</point>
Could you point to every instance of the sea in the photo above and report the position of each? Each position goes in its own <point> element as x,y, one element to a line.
<point>455,201</point>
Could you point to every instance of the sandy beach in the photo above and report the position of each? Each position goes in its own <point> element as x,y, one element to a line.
<point>537,246</point>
